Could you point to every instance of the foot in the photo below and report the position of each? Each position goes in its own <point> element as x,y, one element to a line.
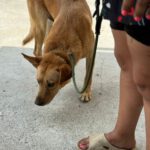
<point>124,141</point>
<point>100,142</point>
<point>86,97</point>
<point>84,144</point>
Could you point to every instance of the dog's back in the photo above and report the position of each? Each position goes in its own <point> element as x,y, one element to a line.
<point>73,23</point>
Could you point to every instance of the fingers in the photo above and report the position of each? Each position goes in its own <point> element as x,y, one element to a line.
<point>140,9</point>
<point>126,7</point>
<point>148,13</point>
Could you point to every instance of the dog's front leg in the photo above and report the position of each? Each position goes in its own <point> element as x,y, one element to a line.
<point>86,96</point>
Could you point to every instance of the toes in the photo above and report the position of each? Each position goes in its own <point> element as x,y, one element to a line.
<point>86,97</point>
<point>83,144</point>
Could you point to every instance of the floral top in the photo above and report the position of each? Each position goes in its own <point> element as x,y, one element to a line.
<point>112,11</point>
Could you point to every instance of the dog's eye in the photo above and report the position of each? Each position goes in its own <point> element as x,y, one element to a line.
<point>50,84</point>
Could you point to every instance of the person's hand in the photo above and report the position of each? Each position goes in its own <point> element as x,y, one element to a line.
<point>142,8</point>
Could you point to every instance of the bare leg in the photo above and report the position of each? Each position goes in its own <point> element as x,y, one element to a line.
<point>147,118</point>
<point>130,100</point>
<point>141,74</point>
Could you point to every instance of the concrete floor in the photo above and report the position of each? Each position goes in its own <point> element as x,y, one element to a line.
<point>14,24</point>
<point>59,125</point>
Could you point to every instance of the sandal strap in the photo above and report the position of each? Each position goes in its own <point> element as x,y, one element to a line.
<point>100,141</point>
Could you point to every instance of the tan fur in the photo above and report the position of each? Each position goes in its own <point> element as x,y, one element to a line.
<point>71,31</point>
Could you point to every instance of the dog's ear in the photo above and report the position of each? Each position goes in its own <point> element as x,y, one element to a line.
<point>66,72</point>
<point>35,61</point>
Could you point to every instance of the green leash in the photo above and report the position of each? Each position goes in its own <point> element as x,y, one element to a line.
<point>99,18</point>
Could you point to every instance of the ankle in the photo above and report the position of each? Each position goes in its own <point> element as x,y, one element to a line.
<point>121,140</point>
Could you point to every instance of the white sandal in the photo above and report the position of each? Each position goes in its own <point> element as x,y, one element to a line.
<point>99,142</point>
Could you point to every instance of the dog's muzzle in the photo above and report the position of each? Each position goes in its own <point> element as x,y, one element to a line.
<point>39,102</point>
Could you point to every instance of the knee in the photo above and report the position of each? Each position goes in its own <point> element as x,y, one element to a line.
<point>123,60</point>
<point>142,82</point>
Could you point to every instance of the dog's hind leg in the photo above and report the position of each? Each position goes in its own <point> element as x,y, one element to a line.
<point>40,30</point>
<point>49,25</point>
<point>30,35</point>
<point>38,19</point>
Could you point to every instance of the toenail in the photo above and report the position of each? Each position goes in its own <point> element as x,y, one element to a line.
<point>83,146</point>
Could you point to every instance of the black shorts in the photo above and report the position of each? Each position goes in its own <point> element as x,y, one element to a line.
<point>139,33</point>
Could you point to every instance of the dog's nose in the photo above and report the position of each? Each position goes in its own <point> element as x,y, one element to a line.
<point>39,102</point>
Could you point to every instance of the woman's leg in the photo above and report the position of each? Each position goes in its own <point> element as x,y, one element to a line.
<point>147,118</point>
<point>140,54</point>
<point>130,100</point>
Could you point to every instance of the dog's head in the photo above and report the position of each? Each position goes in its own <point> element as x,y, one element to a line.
<point>53,72</point>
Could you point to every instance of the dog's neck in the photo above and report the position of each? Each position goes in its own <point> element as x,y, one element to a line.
<point>63,55</point>
<point>61,51</point>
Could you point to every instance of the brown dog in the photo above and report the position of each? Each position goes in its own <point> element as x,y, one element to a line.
<point>70,32</point>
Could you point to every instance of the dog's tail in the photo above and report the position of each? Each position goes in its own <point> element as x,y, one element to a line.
<point>31,33</point>
<point>29,37</point>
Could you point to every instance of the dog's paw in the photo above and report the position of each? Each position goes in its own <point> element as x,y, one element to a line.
<point>86,97</point>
